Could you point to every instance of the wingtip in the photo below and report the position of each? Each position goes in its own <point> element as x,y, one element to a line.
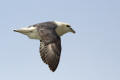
<point>53,69</point>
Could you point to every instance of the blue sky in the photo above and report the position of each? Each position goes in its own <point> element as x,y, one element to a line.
<point>93,53</point>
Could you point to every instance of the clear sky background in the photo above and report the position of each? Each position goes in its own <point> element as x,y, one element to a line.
<point>93,53</point>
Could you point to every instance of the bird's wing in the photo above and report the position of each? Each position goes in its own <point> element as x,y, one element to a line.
<point>50,48</point>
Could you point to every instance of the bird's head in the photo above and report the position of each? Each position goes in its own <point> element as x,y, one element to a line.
<point>30,31</point>
<point>63,28</point>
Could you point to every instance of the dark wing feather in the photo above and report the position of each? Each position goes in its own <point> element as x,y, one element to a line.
<point>50,47</point>
<point>50,54</point>
<point>43,51</point>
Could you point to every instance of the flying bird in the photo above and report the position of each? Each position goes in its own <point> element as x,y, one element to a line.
<point>49,34</point>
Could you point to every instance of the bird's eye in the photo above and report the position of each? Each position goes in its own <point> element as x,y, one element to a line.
<point>68,25</point>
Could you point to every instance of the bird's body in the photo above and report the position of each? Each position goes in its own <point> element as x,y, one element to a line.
<point>50,43</point>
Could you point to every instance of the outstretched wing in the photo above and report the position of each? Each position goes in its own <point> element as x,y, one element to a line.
<point>50,47</point>
<point>50,54</point>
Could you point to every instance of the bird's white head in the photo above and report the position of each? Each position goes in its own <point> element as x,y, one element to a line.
<point>63,28</point>
<point>30,31</point>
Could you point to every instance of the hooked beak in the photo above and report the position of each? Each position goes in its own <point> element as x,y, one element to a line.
<point>72,30</point>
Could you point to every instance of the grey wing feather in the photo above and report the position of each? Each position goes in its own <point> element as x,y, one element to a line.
<point>50,47</point>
